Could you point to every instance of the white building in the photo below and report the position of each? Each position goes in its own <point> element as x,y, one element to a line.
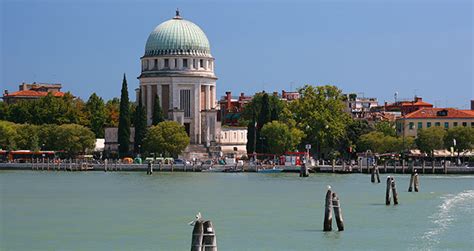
<point>179,68</point>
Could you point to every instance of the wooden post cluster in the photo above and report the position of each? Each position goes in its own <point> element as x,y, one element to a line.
<point>204,236</point>
<point>150,168</point>
<point>414,182</point>
<point>332,202</point>
<point>391,186</point>
<point>304,172</point>
<point>375,173</point>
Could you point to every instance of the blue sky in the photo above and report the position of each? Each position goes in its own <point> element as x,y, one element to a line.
<point>377,48</point>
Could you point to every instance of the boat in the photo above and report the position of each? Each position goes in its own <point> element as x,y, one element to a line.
<point>270,170</point>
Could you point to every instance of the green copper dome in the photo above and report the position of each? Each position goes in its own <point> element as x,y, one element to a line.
<point>177,37</point>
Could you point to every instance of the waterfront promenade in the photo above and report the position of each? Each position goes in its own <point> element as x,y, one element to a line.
<point>117,167</point>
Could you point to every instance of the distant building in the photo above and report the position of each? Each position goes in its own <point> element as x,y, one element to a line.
<point>233,141</point>
<point>32,91</point>
<point>406,107</point>
<point>408,125</point>
<point>360,107</point>
<point>111,139</point>
<point>232,107</point>
<point>290,96</point>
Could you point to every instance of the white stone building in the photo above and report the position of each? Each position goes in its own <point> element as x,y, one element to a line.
<point>179,68</point>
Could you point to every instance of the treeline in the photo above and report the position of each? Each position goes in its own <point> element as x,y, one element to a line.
<point>70,138</point>
<point>317,118</point>
<point>93,113</point>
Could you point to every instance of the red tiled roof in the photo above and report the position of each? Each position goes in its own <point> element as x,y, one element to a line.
<point>410,103</point>
<point>425,113</point>
<point>31,93</point>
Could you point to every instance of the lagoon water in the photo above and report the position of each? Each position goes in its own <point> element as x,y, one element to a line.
<point>133,211</point>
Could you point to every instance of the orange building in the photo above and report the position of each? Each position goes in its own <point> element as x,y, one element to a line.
<point>406,107</point>
<point>32,91</point>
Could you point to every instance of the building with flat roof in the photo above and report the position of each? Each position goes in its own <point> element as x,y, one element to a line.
<point>406,107</point>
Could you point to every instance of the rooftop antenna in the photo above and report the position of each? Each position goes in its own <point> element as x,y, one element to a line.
<point>396,96</point>
<point>414,92</point>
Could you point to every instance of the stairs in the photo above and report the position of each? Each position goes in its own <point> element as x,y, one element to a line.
<point>195,151</point>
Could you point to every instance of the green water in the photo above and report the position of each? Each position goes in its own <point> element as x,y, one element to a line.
<point>133,211</point>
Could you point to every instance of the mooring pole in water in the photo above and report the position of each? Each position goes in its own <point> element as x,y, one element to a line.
<point>410,188</point>
<point>328,211</point>
<point>198,235</point>
<point>377,173</point>
<point>403,166</point>
<point>209,241</point>
<point>387,191</point>
<point>372,175</point>
<point>150,168</point>
<point>304,170</point>
<point>337,212</point>
<point>416,181</point>
<point>385,166</point>
<point>423,166</point>
<point>394,192</point>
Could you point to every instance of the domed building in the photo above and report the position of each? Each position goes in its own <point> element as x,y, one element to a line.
<point>179,68</point>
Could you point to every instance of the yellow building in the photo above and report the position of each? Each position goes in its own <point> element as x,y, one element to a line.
<point>409,124</point>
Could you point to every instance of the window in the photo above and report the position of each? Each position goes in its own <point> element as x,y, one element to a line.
<point>437,124</point>
<point>185,63</point>
<point>420,125</point>
<point>167,63</point>
<point>472,124</point>
<point>155,65</point>
<point>175,63</point>
<point>446,125</point>
<point>194,63</point>
<point>455,124</point>
<point>185,102</point>
<point>428,124</point>
<point>201,63</point>
<point>464,123</point>
<point>411,125</point>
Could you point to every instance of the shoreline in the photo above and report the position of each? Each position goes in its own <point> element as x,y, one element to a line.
<point>84,167</point>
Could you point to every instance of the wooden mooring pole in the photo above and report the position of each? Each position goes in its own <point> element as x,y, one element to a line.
<point>198,235</point>
<point>423,166</point>
<point>209,241</point>
<point>417,182</point>
<point>394,192</point>
<point>304,170</point>
<point>410,187</point>
<point>328,211</point>
<point>337,212</point>
<point>150,168</point>
<point>387,191</point>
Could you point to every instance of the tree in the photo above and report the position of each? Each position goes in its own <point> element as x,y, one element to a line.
<point>378,142</point>
<point>264,116</point>
<point>319,114</point>
<point>112,110</point>
<point>386,127</point>
<point>124,121</point>
<point>8,133</point>
<point>281,138</point>
<point>20,112</point>
<point>27,137</point>
<point>168,138</point>
<point>158,115</point>
<point>3,110</point>
<point>140,125</point>
<point>251,131</point>
<point>430,139</point>
<point>464,137</point>
<point>96,111</point>
<point>355,129</point>
<point>74,139</point>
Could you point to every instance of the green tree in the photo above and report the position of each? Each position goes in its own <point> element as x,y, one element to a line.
<point>48,135</point>
<point>96,110</point>
<point>264,116</point>
<point>280,137</point>
<point>319,114</point>
<point>124,121</point>
<point>430,139</point>
<point>74,139</point>
<point>251,131</point>
<point>386,127</point>
<point>20,112</point>
<point>464,137</point>
<point>355,129</point>
<point>8,133</point>
<point>27,137</point>
<point>140,125</point>
<point>168,138</point>
<point>158,116</point>
<point>3,110</point>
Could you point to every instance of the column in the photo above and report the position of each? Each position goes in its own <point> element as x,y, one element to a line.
<point>180,63</point>
<point>142,89</point>
<point>197,113</point>
<point>149,106</point>
<point>208,97</point>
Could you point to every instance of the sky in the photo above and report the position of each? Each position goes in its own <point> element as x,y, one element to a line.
<point>373,48</point>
